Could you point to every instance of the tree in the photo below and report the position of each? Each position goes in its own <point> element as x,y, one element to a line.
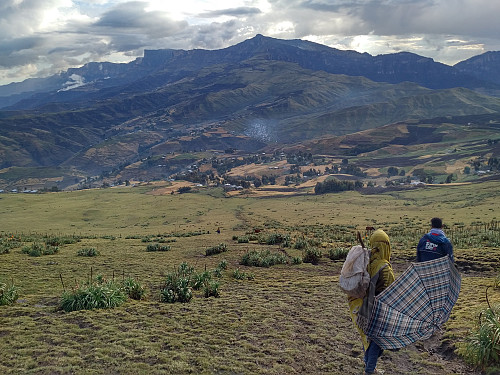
<point>294,168</point>
<point>392,171</point>
<point>334,185</point>
<point>467,170</point>
<point>493,163</point>
<point>184,189</point>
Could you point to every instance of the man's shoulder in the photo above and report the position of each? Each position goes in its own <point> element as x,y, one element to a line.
<point>421,243</point>
<point>425,237</point>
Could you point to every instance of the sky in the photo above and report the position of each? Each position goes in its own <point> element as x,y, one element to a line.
<point>39,38</point>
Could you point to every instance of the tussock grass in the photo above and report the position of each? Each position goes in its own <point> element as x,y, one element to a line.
<point>87,252</point>
<point>157,247</point>
<point>339,253</point>
<point>38,249</point>
<point>217,249</point>
<point>264,258</point>
<point>482,346</point>
<point>95,294</point>
<point>8,293</point>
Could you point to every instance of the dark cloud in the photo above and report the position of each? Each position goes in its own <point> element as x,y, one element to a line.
<point>133,16</point>
<point>9,46</point>
<point>235,12</point>
<point>16,52</point>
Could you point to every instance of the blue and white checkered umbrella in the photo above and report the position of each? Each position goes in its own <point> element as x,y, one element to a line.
<point>415,305</point>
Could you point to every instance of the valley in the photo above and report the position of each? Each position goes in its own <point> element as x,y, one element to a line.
<point>156,117</point>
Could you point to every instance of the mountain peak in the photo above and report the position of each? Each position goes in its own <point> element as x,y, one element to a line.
<point>485,66</point>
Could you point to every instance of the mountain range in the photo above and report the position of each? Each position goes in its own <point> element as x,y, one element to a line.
<point>260,92</point>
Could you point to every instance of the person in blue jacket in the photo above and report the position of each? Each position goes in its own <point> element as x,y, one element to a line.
<point>434,244</point>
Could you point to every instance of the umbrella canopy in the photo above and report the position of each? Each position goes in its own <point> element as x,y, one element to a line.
<point>415,305</point>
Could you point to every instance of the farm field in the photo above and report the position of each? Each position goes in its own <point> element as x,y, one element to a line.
<point>286,319</point>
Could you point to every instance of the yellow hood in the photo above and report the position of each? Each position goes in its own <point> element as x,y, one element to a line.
<point>380,251</point>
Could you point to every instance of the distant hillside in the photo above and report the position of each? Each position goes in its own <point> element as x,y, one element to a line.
<point>485,66</point>
<point>266,100</point>
<point>261,92</point>
<point>405,143</point>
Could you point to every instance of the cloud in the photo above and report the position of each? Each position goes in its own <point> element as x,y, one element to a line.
<point>235,12</point>
<point>133,17</point>
<point>43,37</point>
<point>74,81</point>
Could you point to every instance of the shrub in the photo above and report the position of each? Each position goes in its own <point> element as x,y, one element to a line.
<point>220,248</point>
<point>211,288</point>
<point>243,239</point>
<point>263,258</point>
<point>8,243</point>
<point>239,275</point>
<point>8,294</point>
<point>157,247</point>
<point>133,288</point>
<point>184,189</point>
<point>199,279</point>
<point>222,264</point>
<point>50,250</point>
<point>274,239</point>
<point>99,294</point>
<point>296,260</point>
<point>311,255</point>
<point>64,240</point>
<point>37,249</point>
<point>287,241</point>
<point>167,240</point>
<point>253,237</point>
<point>300,244</point>
<point>88,252</point>
<point>313,242</point>
<point>185,269</point>
<point>482,347</point>
<point>177,285</point>
<point>339,253</point>
<point>217,272</point>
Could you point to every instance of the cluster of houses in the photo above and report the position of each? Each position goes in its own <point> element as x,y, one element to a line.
<point>26,191</point>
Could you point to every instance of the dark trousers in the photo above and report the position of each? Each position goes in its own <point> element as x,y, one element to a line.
<point>371,356</point>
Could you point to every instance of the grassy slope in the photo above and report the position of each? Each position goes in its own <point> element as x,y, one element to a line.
<point>299,104</point>
<point>288,320</point>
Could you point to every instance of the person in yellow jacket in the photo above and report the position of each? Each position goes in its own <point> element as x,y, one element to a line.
<point>380,256</point>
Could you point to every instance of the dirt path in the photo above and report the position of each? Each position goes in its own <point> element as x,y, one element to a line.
<point>436,352</point>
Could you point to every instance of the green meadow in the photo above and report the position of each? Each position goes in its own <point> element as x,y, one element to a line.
<point>283,319</point>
